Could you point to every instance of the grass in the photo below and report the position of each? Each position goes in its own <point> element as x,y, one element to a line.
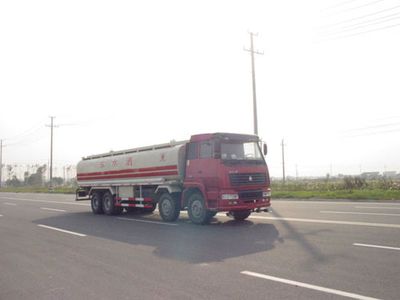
<point>339,194</point>
<point>39,189</point>
<point>353,188</point>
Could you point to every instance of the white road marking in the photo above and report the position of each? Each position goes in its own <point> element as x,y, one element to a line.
<point>376,246</point>
<point>8,203</point>
<point>53,209</point>
<point>377,207</point>
<point>62,230</point>
<point>328,222</point>
<point>44,201</point>
<point>383,204</point>
<point>356,213</point>
<point>1,215</point>
<point>146,221</point>
<point>308,286</point>
<point>348,202</point>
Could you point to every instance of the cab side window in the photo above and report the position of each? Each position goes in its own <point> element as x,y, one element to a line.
<point>206,150</point>
<point>192,151</point>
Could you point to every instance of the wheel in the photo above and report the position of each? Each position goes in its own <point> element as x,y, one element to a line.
<point>197,210</point>
<point>96,203</point>
<point>241,215</point>
<point>109,205</point>
<point>169,208</point>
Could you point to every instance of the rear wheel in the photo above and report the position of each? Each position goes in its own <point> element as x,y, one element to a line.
<point>169,207</point>
<point>96,203</point>
<point>109,205</point>
<point>197,210</point>
<point>241,215</point>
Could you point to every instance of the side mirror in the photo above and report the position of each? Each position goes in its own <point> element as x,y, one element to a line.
<point>265,149</point>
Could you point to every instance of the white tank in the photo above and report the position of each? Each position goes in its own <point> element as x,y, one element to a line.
<point>147,165</point>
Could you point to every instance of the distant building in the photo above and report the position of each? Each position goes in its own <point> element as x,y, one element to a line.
<point>389,174</point>
<point>370,175</point>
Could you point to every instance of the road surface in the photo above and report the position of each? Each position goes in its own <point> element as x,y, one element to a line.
<point>52,247</point>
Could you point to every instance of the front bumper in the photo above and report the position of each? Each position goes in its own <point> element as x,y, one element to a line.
<point>261,201</point>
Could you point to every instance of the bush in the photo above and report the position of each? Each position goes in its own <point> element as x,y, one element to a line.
<point>351,183</point>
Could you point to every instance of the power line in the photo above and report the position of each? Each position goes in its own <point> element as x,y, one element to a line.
<point>363,32</point>
<point>361,17</point>
<point>356,7</point>
<point>374,127</point>
<point>372,133</point>
<point>26,132</point>
<point>341,4</point>
<point>365,24</point>
<point>27,142</point>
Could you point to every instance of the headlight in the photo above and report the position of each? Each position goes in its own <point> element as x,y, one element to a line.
<point>230,196</point>
<point>266,194</point>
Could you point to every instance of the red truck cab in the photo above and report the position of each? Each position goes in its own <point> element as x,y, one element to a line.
<point>229,172</point>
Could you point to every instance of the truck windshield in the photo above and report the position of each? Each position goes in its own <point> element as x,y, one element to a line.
<point>241,151</point>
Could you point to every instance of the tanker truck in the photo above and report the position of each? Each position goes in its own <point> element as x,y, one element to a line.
<point>210,173</point>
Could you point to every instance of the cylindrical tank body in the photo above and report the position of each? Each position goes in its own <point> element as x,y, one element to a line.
<point>148,165</point>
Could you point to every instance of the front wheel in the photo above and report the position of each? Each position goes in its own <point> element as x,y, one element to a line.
<point>197,210</point>
<point>241,215</point>
<point>169,208</point>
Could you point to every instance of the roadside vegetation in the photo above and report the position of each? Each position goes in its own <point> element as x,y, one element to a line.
<point>349,187</point>
<point>35,183</point>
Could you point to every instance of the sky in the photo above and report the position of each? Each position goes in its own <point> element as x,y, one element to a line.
<point>124,74</point>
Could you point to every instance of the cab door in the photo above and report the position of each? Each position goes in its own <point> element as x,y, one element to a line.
<point>201,166</point>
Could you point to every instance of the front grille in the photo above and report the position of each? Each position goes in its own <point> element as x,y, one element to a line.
<point>250,195</point>
<point>247,179</point>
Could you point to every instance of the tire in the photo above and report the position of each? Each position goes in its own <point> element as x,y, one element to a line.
<point>169,207</point>
<point>109,205</point>
<point>97,203</point>
<point>241,215</point>
<point>197,210</point>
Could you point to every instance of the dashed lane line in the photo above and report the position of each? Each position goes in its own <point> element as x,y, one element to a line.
<point>376,246</point>
<point>327,222</point>
<point>308,286</point>
<point>53,209</point>
<point>44,201</point>
<point>147,221</point>
<point>11,204</point>
<point>357,213</point>
<point>377,207</point>
<point>62,230</point>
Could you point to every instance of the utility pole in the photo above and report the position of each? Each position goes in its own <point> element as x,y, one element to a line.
<point>51,151</point>
<point>1,161</point>
<point>283,162</point>
<point>253,73</point>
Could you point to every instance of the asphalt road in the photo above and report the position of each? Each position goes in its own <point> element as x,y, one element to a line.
<point>52,247</point>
